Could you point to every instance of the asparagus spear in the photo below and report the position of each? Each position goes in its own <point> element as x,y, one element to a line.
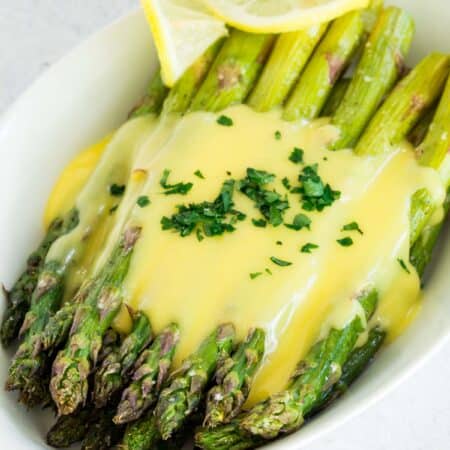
<point>326,66</point>
<point>402,109</point>
<point>93,317</point>
<point>285,412</point>
<point>114,371</point>
<point>418,133</point>
<point>102,433</point>
<point>357,362</point>
<point>142,434</point>
<point>181,94</point>
<point>152,369</point>
<point>287,60</point>
<point>186,386</point>
<point>70,429</point>
<point>380,66</point>
<point>153,100</point>
<point>19,298</point>
<point>336,96</point>
<point>233,377</point>
<point>234,71</point>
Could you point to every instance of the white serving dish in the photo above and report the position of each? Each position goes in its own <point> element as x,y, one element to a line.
<point>87,94</point>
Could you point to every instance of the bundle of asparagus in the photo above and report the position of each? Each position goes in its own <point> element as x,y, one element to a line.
<point>98,384</point>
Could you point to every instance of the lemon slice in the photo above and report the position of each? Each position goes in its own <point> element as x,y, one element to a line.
<point>277,16</point>
<point>182,30</point>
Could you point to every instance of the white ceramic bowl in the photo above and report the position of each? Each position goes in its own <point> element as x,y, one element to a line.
<point>89,93</point>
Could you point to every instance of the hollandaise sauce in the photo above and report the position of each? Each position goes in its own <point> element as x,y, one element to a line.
<point>307,231</point>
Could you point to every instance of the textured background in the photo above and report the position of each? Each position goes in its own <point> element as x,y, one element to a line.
<point>35,34</point>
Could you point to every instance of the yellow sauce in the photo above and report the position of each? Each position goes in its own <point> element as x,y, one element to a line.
<point>201,284</point>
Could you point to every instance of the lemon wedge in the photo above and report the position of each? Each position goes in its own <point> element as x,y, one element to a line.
<point>279,16</point>
<point>182,31</point>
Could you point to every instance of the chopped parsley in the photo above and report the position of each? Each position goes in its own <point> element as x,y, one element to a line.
<point>198,174</point>
<point>228,173</point>
<point>296,156</point>
<point>315,194</point>
<point>279,243</point>
<point>280,262</point>
<point>143,201</point>
<point>286,183</point>
<point>269,202</point>
<point>300,221</point>
<point>255,275</point>
<point>207,218</point>
<point>403,265</point>
<point>177,188</point>
<point>345,242</point>
<point>261,223</point>
<point>117,190</point>
<point>225,121</point>
<point>278,135</point>
<point>308,247</point>
<point>113,209</point>
<point>352,226</point>
<point>268,271</point>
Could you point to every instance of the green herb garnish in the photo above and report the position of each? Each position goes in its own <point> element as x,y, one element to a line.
<point>315,194</point>
<point>352,226</point>
<point>345,242</point>
<point>286,183</point>
<point>261,223</point>
<point>143,201</point>
<point>198,174</point>
<point>308,247</point>
<point>278,135</point>
<point>113,209</point>
<point>117,190</point>
<point>255,275</point>
<point>177,188</point>
<point>268,271</point>
<point>206,218</point>
<point>225,121</point>
<point>270,203</point>
<point>279,243</point>
<point>300,221</point>
<point>280,262</point>
<point>403,265</point>
<point>296,155</point>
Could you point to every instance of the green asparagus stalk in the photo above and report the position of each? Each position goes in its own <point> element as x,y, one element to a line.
<point>420,130</point>
<point>114,371</point>
<point>233,377</point>
<point>181,94</point>
<point>186,386</point>
<point>153,100</point>
<point>142,434</point>
<point>327,64</point>
<point>357,362</point>
<point>19,298</point>
<point>69,430</point>
<point>58,326</point>
<point>380,66</point>
<point>28,363</point>
<point>285,412</point>
<point>234,71</point>
<point>336,96</point>
<point>422,250</point>
<point>402,109</point>
<point>287,60</point>
<point>102,433</point>
<point>152,369</point>
<point>93,317</point>
<point>436,144</point>
<point>405,105</point>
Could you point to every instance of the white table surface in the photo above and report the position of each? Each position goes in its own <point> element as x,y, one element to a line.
<point>33,35</point>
